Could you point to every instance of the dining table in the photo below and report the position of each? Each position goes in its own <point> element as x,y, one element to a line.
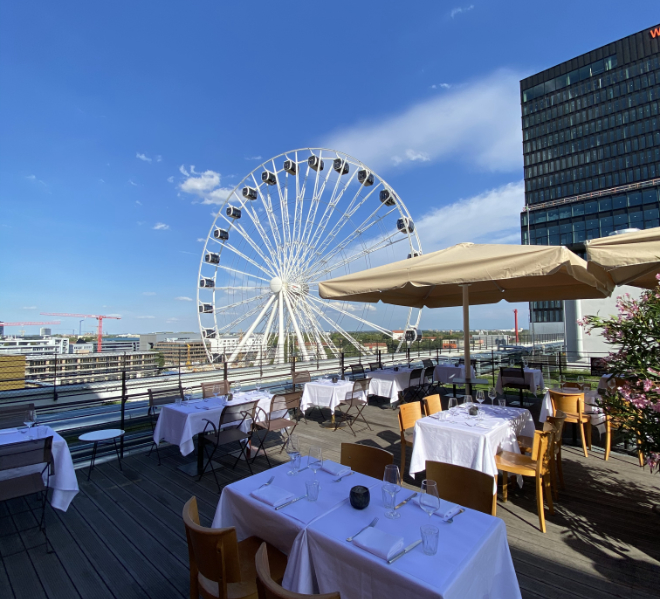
<point>389,382</point>
<point>473,557</point>
<point>533,378</point>
<point>324,393</point>
<point>62,481</point>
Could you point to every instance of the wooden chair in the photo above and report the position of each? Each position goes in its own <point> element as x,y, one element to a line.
<point>267,588</point>
<point>409,413</point>
<point>220,566</point>
<point>554,424</point>
<point>618,423</point>
<point>514,378</point>
<point>537,465</point>
<point>356,398</point>
<point>366,460</point>
<point>269,422</point>
<point>572,404</point>
<point>27,463</point>
<point>464,486</point>
<point>432,404</point>
<point>215,388</point>
<point>158,399</point>
<point>14,416</point>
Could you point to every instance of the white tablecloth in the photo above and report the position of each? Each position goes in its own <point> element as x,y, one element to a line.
<point>178,424</point>
<point>388,382</point>
<point>325,394</point>
<point>470,446</point>
<point>602,383</point>
<point>473,558</point>
<point>533,378</point>
<point>597,417</point>
<point>446,372</point>
<point>64,482</point>
<point>280,528</point>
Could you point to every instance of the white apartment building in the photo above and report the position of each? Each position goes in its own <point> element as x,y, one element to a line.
<point>30,347</point>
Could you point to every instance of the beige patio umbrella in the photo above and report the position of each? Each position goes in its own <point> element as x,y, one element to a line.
<point>469,273</point>
<point>629,258</point>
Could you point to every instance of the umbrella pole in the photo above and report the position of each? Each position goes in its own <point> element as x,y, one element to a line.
<point>466,336</point>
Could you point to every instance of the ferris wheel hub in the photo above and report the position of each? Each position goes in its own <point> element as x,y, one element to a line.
<point>276,284</point>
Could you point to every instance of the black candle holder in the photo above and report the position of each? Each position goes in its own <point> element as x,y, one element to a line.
<point>359,497</point>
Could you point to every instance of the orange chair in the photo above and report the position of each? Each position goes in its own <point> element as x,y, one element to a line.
<point>409,413</point>
<point>572,404</point>
<point>432,404</point>
<point>536,465</point>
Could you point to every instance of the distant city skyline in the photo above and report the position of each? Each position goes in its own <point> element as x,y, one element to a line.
<point>124,127</point>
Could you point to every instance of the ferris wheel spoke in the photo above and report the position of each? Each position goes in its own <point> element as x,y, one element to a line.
<point>294,322</point>
<point>269,324</point>
<point>268,207</point>
<point>240,272</point>
<point>253,326</point>
<point>284,209</point>
<point>248,238</point>
<point>254,217</point>
<point>319,331</point>
<point>314,205</point>
<point>380,244</point>
<point>333,306</point>
<point>340,330</point>
<point>247,259</point>
<point>312,333</point>
<point>241,303</point>
<point>241,318</point>
<point>300,198</point>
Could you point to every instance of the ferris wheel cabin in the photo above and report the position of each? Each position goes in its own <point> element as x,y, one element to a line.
<point>221,234</point>
<point>233,212</point>
<point>212,258</point>
<point>411,335</point>
<point>269,178</point>
<point>250,193</point>
<point>414,254</point>
<point>366,178</point>
<point>405,224</point>
<point>341,166</point>
<point>387,197</point>
<point>315,163</point>
<point>206,308</point>
<point>206,283</point>
<point>290,167</point>
<point>209,333</point>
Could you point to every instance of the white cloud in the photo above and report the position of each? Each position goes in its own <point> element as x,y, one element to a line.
<point>143,157</point>
<point>478,123</point>
<point>161,227</point>
<point>138,202</point>
<point>183,298</point>
<point>201,239</point>
<point>459,10</point>
<point>148,293</point>
<point>170,179</point>
<point>35,179</point>
<point>253,158</point>
<point>183,171</point>
<point>133,183</point>
<point>206,186</point>
<point>29,307</point>
<point>441,86</point>
<point>159,158</point>
<point>101,181</point>
<point>145,317</point>
<point>370,307</point>
<point>172,320</point>
<point>489,217</point>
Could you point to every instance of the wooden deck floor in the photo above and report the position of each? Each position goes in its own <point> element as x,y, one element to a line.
<point>123,537</point>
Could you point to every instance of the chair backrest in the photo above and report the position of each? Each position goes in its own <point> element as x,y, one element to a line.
<point>473,363</point>
<point>361,386</point>
<point>416,375</point>
<point>571,403</point>
<point>162,397</point>
<point>428,363</point>
<point>428,372</point>
<point>216,388</point>
<point>555,424</point>
<point>542,447</point>
<point>432,404</point>
<point>374,366</point>
<point>14,416</point>
<point>510,372</point>
<point>464,486</point>
<point>409,413</point>
<point>367,460</point>
<point>212,552</point>
<point>267,588</point>
<point>237,412</point>
<point>26,453</point>
<point>285,401</point>
<point>300,377</point>
<point>357,369</point>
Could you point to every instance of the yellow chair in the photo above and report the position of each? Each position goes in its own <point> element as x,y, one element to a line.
<point>365,460</point>
<point>409,413</point>
<point>220,566</point>
<point>432,404</point>
<point>536,465</point>
<point>464,486</point>
<point>572,404</point>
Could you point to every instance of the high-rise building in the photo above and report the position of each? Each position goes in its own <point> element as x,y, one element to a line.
<point>591,145</point>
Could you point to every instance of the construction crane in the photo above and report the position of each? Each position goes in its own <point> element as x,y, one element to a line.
<point>98,317</point>
<point>21,324</point>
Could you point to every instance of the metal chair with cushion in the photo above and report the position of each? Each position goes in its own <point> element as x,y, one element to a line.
<point>427,380</point>
<point>300,378</point>
<point>514,378</point>
<point>356,398</point>
<point>428,363</point>
<point>221,567</point>
<point>230,429</point>
<point>158,399</point>
<point>216,388</point>
<point>373,366</point>
<point>29,461</point>
<point>276,420</point>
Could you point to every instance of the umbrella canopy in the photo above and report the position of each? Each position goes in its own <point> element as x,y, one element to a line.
<point>629,258</point>
<point>470,273</point>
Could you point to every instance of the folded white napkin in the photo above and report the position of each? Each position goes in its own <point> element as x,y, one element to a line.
<point>272,495</point>
<point>334,468</point>
<point>381,544</point>
<point>448,510</point>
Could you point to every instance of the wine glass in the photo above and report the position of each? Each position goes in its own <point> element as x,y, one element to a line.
<point>30,419</point>
<point>492,393</point>
<point>187,395</point>
<point>481,397</point>
<point>292,448</point>
<point>392,486</point>
<point>238,387</point>
<point>429,500</point>
<point>257,386</point>
<point>453,406</point>
<point>315,460</point>
<point>580,381</point>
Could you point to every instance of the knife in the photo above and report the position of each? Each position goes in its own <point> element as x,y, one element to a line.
<point>398,505</point>
<point>279,507</point>
<point>406,550</point>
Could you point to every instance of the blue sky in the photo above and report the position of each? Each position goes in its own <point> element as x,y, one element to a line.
<point>121,122</point>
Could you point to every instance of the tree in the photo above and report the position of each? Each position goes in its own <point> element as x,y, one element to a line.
<point>634,401</point>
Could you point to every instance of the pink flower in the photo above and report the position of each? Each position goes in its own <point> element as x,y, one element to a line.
<point>647,385</point>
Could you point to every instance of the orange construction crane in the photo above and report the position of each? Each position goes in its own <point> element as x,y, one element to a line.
<point>98,317</point>
<point>20,324</point>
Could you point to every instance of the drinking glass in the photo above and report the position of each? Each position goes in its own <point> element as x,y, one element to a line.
<point>467,400</point>
<point>30,419</point>
<point>187,395</point>
<point>453,406</point>
<point>312,487</point>
<point>430,537</point>
<point>481,396</point>
<point>292,448</point>
<point>257,386</point>
<point>492,393</point>
<point>315,460</point>
<point>501,402</point>
<point>392,486</point>
<point>429,500</point>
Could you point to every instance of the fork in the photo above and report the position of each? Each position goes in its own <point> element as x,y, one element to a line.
<point>372,523</point>
<point>454,516</point>
<point>270,480</point>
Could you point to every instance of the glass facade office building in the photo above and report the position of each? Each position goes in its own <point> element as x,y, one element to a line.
<point>591,145</point>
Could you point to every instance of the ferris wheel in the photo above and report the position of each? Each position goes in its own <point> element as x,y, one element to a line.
<point>301,217</point>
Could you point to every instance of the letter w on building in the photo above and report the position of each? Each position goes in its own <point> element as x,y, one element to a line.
<point>655,32</point>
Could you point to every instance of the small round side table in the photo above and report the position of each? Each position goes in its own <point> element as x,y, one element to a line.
<point>102,436</point>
